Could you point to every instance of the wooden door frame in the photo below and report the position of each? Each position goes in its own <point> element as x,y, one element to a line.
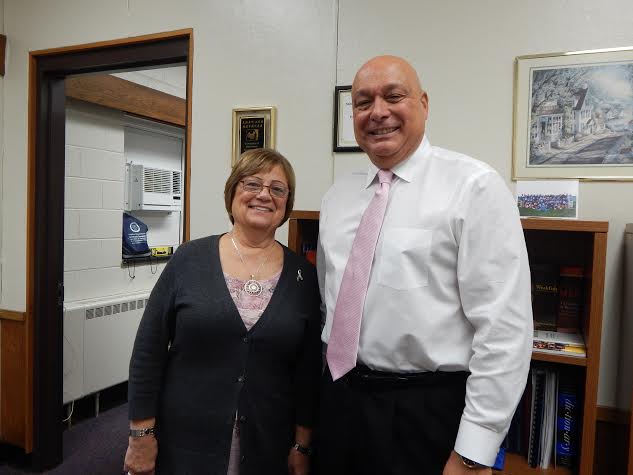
<point>43,323</point>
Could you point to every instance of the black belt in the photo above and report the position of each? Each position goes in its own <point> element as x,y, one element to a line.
<point>363,375</point>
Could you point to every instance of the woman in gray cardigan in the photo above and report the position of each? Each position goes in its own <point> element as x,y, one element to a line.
<point>224,375</point>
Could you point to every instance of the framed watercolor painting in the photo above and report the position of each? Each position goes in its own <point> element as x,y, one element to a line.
<point>573,115</point>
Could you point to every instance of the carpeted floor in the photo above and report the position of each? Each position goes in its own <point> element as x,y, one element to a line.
<point>94,446</point>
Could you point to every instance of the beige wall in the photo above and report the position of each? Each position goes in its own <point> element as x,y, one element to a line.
<point>247,53</point>
<point>464,51</point>
<point>285,53</point>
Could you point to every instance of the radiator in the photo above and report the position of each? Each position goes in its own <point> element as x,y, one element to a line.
<point>98,340</point>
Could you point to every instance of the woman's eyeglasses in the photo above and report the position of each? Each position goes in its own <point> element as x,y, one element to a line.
<point>276,189</point>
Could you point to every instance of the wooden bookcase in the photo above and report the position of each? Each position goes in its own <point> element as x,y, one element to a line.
<point>303,230</point>
<point>630,461</point>
<point>583,243</point>
<point>558,242</point>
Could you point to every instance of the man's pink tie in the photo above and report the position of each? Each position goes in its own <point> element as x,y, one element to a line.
<point>343,343</point>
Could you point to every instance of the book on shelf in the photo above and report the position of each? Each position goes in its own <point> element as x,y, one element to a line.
<point>526,404</point>
<point>567,413</point>
<point>548,426</point>
<point>536,416</point>
<point>570,301</point>
<point>548,414</point>
<point>513,439</point>
<point>545,295</point>
<point>500,459</point>
<point>558,343</point>
<point>308,249</point>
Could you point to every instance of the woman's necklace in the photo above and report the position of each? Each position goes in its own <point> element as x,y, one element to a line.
<point>252,286</point>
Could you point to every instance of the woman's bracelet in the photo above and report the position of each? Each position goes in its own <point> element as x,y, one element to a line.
<point>141,432</point>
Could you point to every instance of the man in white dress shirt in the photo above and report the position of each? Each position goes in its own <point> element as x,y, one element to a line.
<point>446,332</point>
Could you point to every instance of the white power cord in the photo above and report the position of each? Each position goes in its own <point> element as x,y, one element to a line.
<point>72,408</point>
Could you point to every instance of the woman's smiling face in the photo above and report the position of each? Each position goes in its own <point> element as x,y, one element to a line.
<point>260,210</point>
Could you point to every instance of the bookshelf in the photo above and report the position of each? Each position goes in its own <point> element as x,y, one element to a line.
<point>584,243</point>
<point>558,242</point>
<point>303,230</point>
<point>630,461</point>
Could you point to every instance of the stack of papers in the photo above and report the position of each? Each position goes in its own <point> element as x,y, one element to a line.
<point>570,344</point>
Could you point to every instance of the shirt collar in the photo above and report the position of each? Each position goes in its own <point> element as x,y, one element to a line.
<point>403,170</point>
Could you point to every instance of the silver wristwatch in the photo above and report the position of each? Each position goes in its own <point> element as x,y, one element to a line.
<point>141,432</point>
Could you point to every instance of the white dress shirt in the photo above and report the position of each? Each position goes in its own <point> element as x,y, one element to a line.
<point>450,285</point>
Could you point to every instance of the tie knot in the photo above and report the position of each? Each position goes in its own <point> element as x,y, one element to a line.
<point>385,176</point>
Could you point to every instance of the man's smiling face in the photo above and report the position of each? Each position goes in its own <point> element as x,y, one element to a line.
<point>390,110</point>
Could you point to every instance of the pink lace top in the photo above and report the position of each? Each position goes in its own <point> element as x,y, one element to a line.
<point>250,308</point>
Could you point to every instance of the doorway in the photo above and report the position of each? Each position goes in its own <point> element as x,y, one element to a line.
<point>41,394</point>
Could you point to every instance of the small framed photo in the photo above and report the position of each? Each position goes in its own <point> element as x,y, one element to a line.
<point>573,115</point>
<point>547,198</point>
<point>344,140</point>
<point>253,127</point>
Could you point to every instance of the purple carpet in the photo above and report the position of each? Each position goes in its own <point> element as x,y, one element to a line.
<point>94,446</point>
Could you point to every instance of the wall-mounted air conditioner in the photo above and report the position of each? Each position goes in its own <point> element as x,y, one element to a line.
<point>152,189</point>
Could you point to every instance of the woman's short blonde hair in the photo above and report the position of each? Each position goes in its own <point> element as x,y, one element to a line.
<point>255,161</point>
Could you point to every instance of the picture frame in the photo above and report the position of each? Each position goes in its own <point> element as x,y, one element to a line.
<point>253,127</point>
<point>547,199</point>
<point>573,115</point>
<point>343,139</point>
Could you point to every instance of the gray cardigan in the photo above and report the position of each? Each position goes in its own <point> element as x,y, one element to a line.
<point>194,365</point>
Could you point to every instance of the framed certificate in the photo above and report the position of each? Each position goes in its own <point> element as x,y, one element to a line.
<point>253,127</point>
<point>344,140</point>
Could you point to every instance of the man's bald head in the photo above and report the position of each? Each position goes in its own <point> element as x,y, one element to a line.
<point>390,110</point>
<point>390,62</point>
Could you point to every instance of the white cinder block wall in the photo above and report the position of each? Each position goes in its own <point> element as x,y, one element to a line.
<point>95,171</point>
